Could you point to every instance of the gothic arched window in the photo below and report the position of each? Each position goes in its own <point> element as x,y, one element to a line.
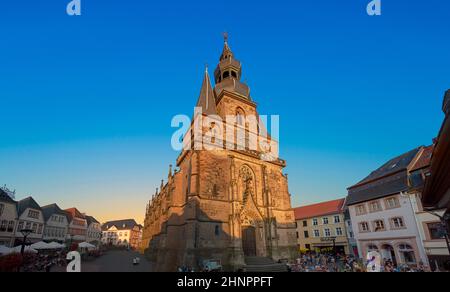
<point>217,230</point>
<point>240,117</point>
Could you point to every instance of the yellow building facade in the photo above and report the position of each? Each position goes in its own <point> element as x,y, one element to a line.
<point>321,228</point>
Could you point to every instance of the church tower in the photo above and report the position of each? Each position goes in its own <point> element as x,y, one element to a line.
<point>226,203</point>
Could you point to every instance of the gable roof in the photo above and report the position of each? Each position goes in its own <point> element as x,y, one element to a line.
<point>319,209</point>
<point>52,209</point>
<point>4,197</point>
<point>26,203</point>
<point>389,179</point>
<point>91,220</point>
<point>120,224</point>
<point>394,165</point>
<point>424,159</point>
<point>73,212</point>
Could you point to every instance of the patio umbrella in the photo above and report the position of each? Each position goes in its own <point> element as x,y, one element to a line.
<point>27,249</point>
<point>4,250</point>
<point>86,245</point>
<point>40,245</point>
<point>55,245</point>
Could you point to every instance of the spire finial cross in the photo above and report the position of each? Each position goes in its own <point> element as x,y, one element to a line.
<point>225,37</point>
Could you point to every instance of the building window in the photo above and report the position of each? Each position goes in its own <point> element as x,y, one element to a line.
<point>315,222</point>
<point>11,226</point>
<point>378,225</point>
<point>20,226</point>
<point>407,253</point>
<point>2,208</point>
<point>3,226</point>
<point>325,220</point>
<point>39,230</point>
<point>436,230</point>
<point>364,227</point>
<point>305,223</point>
<point>372,247</point>
<point>339,231</point>
<point>397,223</point>
<point>337,219</point>
<point>297,235</point>
<point>217,230</point>
<point>233,74</point>
<point>306,234</point>
<point>392,203</point>
<point>240,117</point>
<point>360,210</point>
<point>316,233</point>
<point>33,214</point>
<point>34,227</point>
<point>375,206</point>
<point>327,232</point>
<point>226,74</point>
<point>308,246</point>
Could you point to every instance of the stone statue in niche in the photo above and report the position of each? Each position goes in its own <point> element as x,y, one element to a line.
<point>247,182</point>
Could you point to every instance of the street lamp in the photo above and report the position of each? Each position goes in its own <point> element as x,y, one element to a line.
<point>70,237</point>
<point>25,233</point>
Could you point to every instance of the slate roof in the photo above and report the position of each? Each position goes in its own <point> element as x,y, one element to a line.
<point>120,224</point>
<point>51,209</point>
<point>320,209</point>
<point>91,220</point>
<point>5,198</point>
<point>389,179</point>
<point>392,166</point>
<point>29,202</point>
<point>207,100</point>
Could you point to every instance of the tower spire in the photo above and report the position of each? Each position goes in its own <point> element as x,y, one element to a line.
<point>228,72</point>
<point>225,37</point>
<point>170,171</point>
<point>226,52</point>
<point>206,99</point>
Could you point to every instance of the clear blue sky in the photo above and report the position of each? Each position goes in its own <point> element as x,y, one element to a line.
<point>86,102</point>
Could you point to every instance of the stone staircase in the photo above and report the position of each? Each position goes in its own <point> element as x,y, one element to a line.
<point>263,265</point>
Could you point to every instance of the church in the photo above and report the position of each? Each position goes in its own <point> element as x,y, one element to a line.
<point>229,205</point>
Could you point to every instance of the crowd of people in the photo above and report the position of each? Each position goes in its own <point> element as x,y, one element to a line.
<point>314,262</point>
<point>42,262</point>
<point>52,260</point>
<point>318,262</point>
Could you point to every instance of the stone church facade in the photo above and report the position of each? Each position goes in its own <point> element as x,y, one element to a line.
<point>221,204</point>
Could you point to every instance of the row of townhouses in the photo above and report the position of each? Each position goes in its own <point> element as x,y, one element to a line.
<point>400,210</point>
<point>47,223</point>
